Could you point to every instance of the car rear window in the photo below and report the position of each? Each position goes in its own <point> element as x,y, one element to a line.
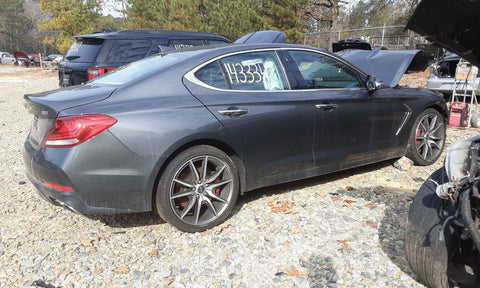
<point>84,50</point>
<point>138,69</point>
<point>126,51</point>
<point>185,43</point>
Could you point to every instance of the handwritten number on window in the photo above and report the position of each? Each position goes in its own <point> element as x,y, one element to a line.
<point>251,73</point>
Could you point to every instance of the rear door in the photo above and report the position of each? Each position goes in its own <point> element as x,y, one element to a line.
<point>271,127</point>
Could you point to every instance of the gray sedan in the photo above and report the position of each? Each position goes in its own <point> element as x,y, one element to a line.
<point>185,133</point>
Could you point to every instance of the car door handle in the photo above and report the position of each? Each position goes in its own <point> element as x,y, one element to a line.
<point>326,106</point>
<point>233,112</point>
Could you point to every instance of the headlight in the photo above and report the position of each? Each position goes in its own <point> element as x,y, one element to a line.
<point>457,160</point>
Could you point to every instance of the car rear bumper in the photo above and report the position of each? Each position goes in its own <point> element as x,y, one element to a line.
<point>97,185</point>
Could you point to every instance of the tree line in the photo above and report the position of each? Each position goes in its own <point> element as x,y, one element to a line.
<point>48,25</point>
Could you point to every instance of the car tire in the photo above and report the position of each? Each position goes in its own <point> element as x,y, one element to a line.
<point>427,254</point>
<point>193,200</point>
<point>427,138</point>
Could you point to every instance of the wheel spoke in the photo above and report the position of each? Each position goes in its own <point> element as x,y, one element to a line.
<point>218,184</point>
<point>426,149</point>
<point>435,129</point>
<point>194,171</point>
<point>433,124</point>
<point>183,183</point>
<point>204,169</point>
<point>215,175</point>
<point>191,204</point>
<point>210,204</point>
<point>421,145</point>
<point>216,197</point>
<point>198,209</point>
<point>183,194</point>
<point>424,125</point>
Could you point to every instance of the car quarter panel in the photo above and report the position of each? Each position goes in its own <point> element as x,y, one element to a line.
<point>150,113</point>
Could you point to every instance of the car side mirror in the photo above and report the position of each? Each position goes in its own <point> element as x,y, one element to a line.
<point>373,84</point>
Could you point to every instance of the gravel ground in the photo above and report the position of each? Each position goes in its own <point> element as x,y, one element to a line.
<point>339,230</point>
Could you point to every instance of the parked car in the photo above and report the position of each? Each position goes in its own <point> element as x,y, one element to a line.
<point>95,54</point>
<point>442,237</point>
<point>186,132</point>
<point>351,43</point>
<point>7,58</point>
<point>442,76</point>
<point>54,57</point>
<point>21,59</point>
<point>34,60</point>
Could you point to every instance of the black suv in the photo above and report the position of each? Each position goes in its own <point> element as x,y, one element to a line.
<point>95,54</point>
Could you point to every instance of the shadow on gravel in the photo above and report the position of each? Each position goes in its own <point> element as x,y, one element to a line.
<point>128,220</point>
<point>301,184</point>
<point>391,230</point>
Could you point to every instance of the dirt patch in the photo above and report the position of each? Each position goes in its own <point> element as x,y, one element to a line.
<point>415,80</point>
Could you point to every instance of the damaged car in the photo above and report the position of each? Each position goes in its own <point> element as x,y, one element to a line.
<point>442,238</point>
<point>184,133</point>
<point>442,76</point>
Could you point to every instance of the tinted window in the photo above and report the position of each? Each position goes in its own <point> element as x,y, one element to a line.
<point>84,50</point>
<point>321,71</point>
<point>185,43</point>
<point>139,69</point>
<point>126,51</point>
<point>249,71</point>
<point>212,75</point>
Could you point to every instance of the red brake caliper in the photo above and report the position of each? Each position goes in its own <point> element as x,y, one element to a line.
<point>217,190</point>
<point>419,132</point>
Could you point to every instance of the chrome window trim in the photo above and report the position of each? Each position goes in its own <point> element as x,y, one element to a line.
<point>190,75</point>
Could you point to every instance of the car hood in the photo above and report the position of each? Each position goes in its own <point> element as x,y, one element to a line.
<point>454,25</point>
<point>385,65</point>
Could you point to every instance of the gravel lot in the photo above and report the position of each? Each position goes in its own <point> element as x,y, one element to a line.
<point>339,230</point>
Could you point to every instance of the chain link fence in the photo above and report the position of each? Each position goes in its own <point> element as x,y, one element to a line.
<point>390,37</point>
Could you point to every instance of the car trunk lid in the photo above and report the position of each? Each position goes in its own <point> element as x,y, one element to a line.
<point>47,105</point>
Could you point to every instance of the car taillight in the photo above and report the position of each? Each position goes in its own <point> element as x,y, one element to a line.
<point>70,131</point>
<point>97,71</point>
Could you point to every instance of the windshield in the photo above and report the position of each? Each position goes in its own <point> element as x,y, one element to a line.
<point>139,68</point>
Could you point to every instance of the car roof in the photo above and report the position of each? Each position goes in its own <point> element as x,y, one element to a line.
<point>152,34</point>
<point>251,46</point>
<point>199,54</point>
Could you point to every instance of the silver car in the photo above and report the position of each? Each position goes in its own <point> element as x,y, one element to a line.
<point>442,76</point>
<point>7,58</point>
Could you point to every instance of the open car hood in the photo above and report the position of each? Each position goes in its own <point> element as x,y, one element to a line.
<point>385,65</point>
<point>453,24</point>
